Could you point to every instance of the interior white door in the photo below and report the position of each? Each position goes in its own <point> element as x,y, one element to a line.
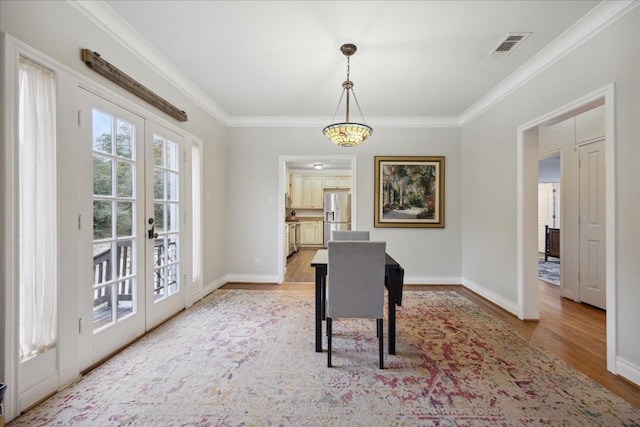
<point>592,231</point>
<point>112,236</point>
<point>545,212</point>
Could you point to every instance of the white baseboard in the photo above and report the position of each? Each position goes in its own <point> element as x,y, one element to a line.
<point>628,370</point>
<point>510,306</point>
<point>252,278</point>
<point>210,287</point>
<point>38,392</point>
<point>432,280</point>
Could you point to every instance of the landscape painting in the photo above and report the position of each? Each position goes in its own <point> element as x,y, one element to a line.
<point>409,191</point>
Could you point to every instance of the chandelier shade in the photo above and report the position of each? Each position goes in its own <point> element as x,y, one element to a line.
<point>347,133</point>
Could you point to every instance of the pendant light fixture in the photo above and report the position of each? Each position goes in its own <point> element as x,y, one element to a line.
<point>348,134</point>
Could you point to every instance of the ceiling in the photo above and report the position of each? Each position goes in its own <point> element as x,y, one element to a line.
<point>278,63</point>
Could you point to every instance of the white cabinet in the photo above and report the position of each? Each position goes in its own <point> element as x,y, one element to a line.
<point>307,192</point>
<point>296,190</point>
<point>286,242</point>
<point>331,182</point>
<point>312,192</point>
<point>312,233</point>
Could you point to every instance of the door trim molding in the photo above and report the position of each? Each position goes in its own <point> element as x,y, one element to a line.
<point>282,160</point>
<point>527,283</point>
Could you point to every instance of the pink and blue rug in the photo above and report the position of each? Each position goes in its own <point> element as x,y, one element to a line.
<point>246,358</point>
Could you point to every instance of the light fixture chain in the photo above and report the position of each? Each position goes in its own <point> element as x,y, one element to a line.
<point>338,107</point>
<point>348,67</point>
<point>358,105</point>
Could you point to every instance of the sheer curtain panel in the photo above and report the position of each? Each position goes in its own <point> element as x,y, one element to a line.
<point>196,188</point>
<point>38,209</point>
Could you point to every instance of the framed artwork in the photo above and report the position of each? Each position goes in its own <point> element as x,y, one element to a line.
<point>409,191</point>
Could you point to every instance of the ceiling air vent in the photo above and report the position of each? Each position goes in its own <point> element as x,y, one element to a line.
<point>508,44</point>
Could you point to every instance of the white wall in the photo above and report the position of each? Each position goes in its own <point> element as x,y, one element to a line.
<point>428,255</point>
<point>58,30</point>
<point>489,162</point>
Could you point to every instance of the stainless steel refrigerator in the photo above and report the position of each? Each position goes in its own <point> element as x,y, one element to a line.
<point>337,213</point>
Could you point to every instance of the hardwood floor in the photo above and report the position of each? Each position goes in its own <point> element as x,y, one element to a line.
<point>574,332</point>
<point>298,268</point>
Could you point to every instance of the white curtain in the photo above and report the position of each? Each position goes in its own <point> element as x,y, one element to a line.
<point>196,198</point>
<point>38,209</point>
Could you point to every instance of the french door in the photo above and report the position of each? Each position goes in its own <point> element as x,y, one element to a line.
<point>130,230</point>
<point>165,295</point>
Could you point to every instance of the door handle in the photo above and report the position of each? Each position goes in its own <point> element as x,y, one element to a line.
<point>152,234</point>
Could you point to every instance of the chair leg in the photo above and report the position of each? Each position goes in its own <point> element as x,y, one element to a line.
<point>380,342</point>
<point>328,342</point>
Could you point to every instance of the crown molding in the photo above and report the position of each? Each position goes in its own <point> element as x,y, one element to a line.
<point>310,121</point>
<point>603,15</point>
<point>110,22</point>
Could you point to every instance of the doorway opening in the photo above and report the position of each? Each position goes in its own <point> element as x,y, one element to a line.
<point>303,181</point>
<point>549,213</point>
<point>530,144</point>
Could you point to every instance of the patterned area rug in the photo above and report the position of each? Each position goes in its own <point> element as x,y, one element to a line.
<point>549,271</point>
<point>247,358</point>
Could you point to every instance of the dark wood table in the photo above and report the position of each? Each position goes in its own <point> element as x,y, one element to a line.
<point>394,276</point>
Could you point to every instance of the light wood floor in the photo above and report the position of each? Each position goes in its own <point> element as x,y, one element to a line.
<point>574,332</point>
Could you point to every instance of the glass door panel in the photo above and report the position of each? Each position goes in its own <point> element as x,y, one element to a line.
<point>114,204</point>
<point>167,295</point>
<point>112,240</point>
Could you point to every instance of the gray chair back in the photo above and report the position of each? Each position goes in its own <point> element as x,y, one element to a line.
<point>356,279</point>
<point>350,235</point>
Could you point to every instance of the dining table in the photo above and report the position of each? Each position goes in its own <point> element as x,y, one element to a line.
<point>394,278</point>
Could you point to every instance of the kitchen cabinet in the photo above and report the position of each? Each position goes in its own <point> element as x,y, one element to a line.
<point>312,192</point>
<point>291,240</point>
<point>312,233</point>
<point>331,182</point>
<point>287,230</point>
<point>307,192</point>
<point>296,191</point>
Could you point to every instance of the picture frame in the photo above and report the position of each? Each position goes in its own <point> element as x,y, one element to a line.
<point>409,191</point>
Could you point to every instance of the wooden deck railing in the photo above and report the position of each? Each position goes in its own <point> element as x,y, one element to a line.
<point>103,272</point>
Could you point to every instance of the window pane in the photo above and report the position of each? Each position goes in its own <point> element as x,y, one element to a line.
<point>102,303</point>
<point>102,134</point>
<point>172,156</point>
<point>102,212</point>
<point>172,186</point>
<point>125,298</point>
<point>102,176</point>
<point>172,217</point>
<point>102,262</point>
<point>125,219</point>
<point>158,214</point>
<point>158,185</point>
<point>124,139</point>
<point>158,151</point>
<point>172,248</point>
<point>125,259</point>
<point>159,279</point>
<point>125,179</point>
<point>172,279</point>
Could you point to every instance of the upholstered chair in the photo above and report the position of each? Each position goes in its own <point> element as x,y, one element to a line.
<point>350,235</point>
<point>356,285</point>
